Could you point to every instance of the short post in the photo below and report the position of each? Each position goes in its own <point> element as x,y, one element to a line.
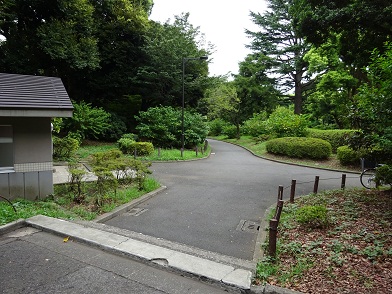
<point>280,192</point>
<point>343,184</point>
<point>273,233</point>
<point>292,192</point>
<point>197,150</point>
<point>159,151</point>
<point>135,153</point>
<point>279,210</point>
<point>316,184</point>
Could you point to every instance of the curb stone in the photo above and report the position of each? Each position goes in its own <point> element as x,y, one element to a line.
<point>270,289</point>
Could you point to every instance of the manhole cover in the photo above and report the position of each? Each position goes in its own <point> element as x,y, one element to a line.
<point>248,226</point>
<point>136,211</point>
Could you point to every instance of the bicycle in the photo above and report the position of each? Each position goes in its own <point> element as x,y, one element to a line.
<point>368,178</point>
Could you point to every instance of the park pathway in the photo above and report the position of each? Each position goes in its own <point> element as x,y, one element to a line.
<point>208,204</point>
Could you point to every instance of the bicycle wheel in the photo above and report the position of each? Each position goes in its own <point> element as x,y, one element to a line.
<point>368,178</point>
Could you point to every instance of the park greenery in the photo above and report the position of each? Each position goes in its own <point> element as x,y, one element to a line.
<point>316,86</point>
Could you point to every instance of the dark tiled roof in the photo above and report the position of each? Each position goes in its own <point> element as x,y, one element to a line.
<point>33,92</point>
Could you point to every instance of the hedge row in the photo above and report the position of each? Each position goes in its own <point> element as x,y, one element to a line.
<point>336,138</point>
<point>129,146</point>
<point>300,147</point>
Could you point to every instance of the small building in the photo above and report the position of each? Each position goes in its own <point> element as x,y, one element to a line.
<point>27,104</point>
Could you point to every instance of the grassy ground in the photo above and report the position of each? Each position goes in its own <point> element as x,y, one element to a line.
<point>66,204</point>
<point>90,147</point>
<point>350,253</point>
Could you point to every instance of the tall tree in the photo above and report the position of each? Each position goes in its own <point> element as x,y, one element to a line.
<point>361,24</point>
<point>282,49</point>
<point>47,37</point>
<point>159,80</point>
<point>254,87</point>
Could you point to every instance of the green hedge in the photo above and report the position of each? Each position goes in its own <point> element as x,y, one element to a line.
<point>348,156</point>
<point>337,138</point>
<point>64,148</point>
<point>128,146</point>
<point>300,147</point>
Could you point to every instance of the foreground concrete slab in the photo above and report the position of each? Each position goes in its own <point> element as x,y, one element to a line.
<point>178,261</point>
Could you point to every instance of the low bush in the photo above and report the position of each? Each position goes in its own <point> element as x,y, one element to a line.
<point>256,126</point>
<point>129,146</point>
<point>300,147</point>
<point>313,216</point>
<point>336,138</point>
<point>348,156</point>
<point>230,131</point>
<point>284,123</point>
<point>384,174</point>
<point>216,127</point>
<point>64,148</point>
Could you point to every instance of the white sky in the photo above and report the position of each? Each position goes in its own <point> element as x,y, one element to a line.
<point>223,22</point>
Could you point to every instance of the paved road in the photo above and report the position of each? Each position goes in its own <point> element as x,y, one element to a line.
<point>207,201</point>
<point>32,261</point>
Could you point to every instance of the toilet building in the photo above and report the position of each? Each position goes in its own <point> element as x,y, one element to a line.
<point>27,105</point>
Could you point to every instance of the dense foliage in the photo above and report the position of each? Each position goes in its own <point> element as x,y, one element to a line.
<point>163,127</point>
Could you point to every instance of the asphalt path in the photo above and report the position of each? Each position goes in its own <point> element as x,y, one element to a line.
<point>213,203</point>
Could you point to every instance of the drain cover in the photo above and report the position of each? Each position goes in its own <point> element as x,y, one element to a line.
<point>248,226</point>
<point>136,211</point>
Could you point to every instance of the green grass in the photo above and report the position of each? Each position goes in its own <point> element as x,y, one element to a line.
<point>165,154</point>
<point>62,204</point>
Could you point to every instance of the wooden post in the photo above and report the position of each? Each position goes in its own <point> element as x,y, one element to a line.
<point>292,193</point>
<point>343,184</point>
<point>273,233</point>
<point>316,183</point>
<point>279,210</point>
<point>159,151</point>
<point>197,151</point>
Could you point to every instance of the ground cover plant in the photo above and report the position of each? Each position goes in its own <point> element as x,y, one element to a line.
<point>63,203</point>
<point>340,244</point>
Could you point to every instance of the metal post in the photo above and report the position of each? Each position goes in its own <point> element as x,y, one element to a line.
<point>183,105</point>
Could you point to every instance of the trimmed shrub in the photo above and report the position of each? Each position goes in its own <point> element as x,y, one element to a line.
<point>348,156</point>
<point>143,148</point>
<point>337,138</point>
<point>129,146</point>
<point>300,147</point>
<point>64,148</point>
<point>313,216</point>
<point>125,145</point>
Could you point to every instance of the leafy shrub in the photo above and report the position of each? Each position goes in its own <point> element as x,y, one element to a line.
<point>143,148</point>
<point>116,129</point>
<point>125,145</point>
<point>64,148</point>
<point>256,125</point>
<point>302,147</point>
<point>216,127</point>
<point>163,127</point>
<point>87,121</point>
<point>129,146</point>
<point>313,216</point>
<point>337,138</point>
<point>284,123</point>
<point>384,174</point>
<point>348,156</point>
<point>230,131</point>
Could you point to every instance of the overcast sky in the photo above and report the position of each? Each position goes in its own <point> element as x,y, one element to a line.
<point>223,22</point>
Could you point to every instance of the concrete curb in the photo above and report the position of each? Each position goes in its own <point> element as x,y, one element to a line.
<point>127,206</point>
<point>20,223</point>
<point>235,279</point>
